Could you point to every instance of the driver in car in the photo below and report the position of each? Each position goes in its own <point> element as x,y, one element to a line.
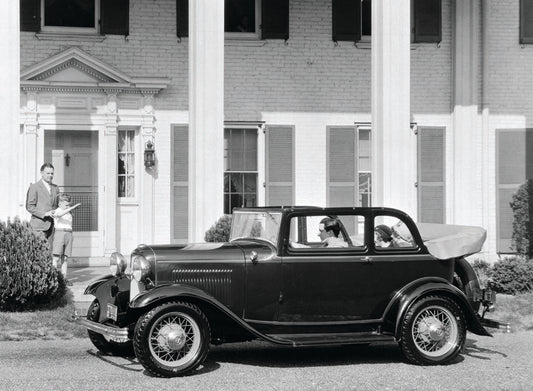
<point>329,230</point>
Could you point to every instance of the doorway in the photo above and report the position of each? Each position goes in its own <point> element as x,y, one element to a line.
<point>74,155</point>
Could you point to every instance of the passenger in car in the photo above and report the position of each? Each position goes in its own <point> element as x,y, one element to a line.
<point>383,236</point>
<point>401,236</point>
<point>329,230</point>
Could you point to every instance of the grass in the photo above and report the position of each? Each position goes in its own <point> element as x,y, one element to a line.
<point>517,310</point>
<point>55,324</point>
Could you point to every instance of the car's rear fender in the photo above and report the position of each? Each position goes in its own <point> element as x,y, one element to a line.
<point>179,292</point>
<point>407,296</point>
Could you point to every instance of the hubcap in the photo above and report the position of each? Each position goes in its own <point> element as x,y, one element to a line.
<point>174,339</point>
<point>435,331</point>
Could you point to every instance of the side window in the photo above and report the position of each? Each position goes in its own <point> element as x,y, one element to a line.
<point>392,233</point>
<point>326,231</point>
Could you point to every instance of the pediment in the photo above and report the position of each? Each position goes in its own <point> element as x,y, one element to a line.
<point>76,69</point>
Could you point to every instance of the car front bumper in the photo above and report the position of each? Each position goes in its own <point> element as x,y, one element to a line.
<point>110,332</point>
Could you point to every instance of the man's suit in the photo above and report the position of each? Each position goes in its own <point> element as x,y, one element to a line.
<point>38,202</point>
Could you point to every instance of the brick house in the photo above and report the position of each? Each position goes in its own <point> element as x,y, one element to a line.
<point>280,113</point>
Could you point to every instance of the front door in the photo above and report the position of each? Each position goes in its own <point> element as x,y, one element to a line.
<point>74,155</point>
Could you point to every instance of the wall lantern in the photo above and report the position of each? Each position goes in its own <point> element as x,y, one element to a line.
<point>67,160</point>
<point>149,154</point>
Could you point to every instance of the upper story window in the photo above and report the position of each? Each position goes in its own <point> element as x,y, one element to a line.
<point>241,18</point>
<point>78,15</point>
<point>526,21</point>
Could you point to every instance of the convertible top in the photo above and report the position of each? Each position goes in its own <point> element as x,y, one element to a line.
<point>446,241</point>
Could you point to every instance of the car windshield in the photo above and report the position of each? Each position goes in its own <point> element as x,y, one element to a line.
<point>256,224</point>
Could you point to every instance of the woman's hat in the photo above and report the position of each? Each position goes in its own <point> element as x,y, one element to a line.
<point>385,232</point>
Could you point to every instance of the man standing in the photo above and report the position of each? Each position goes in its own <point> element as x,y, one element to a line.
<point>41,201</point>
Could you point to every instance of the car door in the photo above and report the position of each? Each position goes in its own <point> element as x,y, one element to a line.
<point>322,284</point>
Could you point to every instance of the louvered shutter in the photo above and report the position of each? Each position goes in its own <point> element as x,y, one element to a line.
<point>431,175</point>
<point>346,20</point>
<point>30,15</point>
<point>182,18</point>
<point>180,183</point>
<point>341,167</point>
<point>526,21</point>
<point>427,21</point>
<point>275,19</point>
<point>514,154</point>
<point>279,165</point>
<point>114,17</point>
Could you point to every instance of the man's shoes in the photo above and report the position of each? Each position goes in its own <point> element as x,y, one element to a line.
<point>68,283</point>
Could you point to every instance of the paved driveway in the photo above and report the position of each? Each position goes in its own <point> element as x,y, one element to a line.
<point>500,363</point>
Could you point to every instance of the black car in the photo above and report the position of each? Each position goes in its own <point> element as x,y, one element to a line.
<point>296,276</point>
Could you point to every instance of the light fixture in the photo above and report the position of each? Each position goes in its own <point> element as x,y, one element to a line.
<point>149,154</point>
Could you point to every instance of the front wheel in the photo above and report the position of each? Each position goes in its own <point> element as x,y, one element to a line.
<point>433,331</point>
<point>172,339</point>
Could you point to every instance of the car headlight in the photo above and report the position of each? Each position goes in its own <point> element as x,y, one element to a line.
<point>140,268</point>
<point>117,264</point>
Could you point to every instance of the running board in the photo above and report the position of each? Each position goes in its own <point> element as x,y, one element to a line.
<point>330,339</point>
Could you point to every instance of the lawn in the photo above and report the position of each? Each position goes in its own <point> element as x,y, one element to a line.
<point>55,324</point>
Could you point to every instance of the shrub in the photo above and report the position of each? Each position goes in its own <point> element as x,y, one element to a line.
<point>27,279</point>
<point>522,206</point>
<point>220,231</point>
<point>482,269</point>
<point>512,276</point>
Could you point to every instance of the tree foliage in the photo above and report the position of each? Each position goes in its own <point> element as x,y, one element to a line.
<point>220,231</point>
<point>522,206</point>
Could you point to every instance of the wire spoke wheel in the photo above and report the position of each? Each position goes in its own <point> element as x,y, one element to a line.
<point>174,339</point>
<point>435,331</point>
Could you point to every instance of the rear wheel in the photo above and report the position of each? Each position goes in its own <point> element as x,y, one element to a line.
<point>433,331</point>
<point>172,339</point>
<point>113,347</point>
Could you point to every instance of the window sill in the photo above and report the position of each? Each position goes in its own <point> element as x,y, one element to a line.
<point>44,36</point>
<point>243,42</point>
<point>127,202</point>
<point>414,46</point>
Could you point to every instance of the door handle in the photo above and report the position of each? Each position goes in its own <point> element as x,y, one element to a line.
<point>366,259</point>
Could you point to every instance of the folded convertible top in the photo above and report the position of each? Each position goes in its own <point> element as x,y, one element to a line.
<point>451,241</point>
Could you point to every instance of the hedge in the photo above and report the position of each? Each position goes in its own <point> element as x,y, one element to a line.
<point>220,231</point>
<point>522,206</point>
<point>27,279</point>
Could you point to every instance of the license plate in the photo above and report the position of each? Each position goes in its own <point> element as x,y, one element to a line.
<point>112,312</point>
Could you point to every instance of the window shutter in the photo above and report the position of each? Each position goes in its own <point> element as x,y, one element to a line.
<point>514,156</point>
<point>341,167</point>
<point>346,20</point>
<point>431,175</point>
<point>427,21</point>
<point>279,165</point>
<point>30,15</point>
<point>114,17</point>
<point>275,19</point>
<point>526,21</point>
<point>180,183</point>
<point>182,18</point>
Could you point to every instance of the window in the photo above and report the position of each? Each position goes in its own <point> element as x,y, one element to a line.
<point>526,21</point>
<point>241,16</point>
<point>240,168</point>
<point>391,233</point>
<point>327,231</point>
<point>126,163</point>
<point>78,15</point>
<point>364,168</point>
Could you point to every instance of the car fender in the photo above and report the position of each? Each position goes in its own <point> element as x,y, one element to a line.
<point>93,285</point>
<point>407,296</point>
<point>170,292</point>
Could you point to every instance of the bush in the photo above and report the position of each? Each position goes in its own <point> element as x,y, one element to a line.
<point>220,231</point>
<point>522,205</point>
<point>27,279</point>
<point>512,276</point>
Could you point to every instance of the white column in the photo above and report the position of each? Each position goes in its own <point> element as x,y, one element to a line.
<point>110,174</point>
<point>147,182</point>
<point>29,166</point>
<point>206,115</point>
<point>10,163</point>
<point>394,144</point>
<point>467,141</point>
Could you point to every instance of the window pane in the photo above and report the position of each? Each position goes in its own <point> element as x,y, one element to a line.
<point>236,201</point>
<point>236,183</point>
<point>249,200</point>
<point>69,13</point>
<point>121,164</point>
<point>130,186</point>
<point>122,186</point>
<point>121,141</point>
<point>130,140</point>
<point>239,16</point>
<point>131,163</point>
<point>250,183</point>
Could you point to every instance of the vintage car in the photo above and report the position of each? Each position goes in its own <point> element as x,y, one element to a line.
<point>279,279</point>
